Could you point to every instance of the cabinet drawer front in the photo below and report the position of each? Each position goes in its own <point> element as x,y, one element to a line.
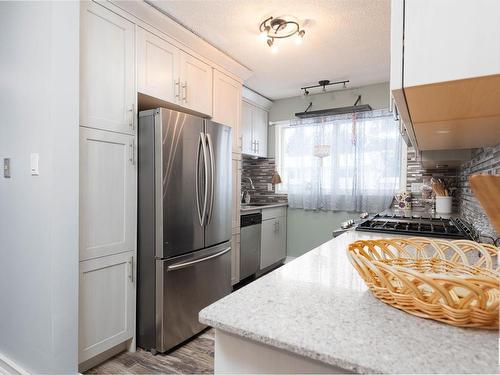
<point>107,193</point>
<point>106,304</point>
<point>269,213</point>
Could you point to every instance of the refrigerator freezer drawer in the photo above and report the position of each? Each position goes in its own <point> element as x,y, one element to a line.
<point>189,284</point>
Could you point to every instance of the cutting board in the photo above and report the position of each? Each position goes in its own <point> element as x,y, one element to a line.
<point>486,188</point>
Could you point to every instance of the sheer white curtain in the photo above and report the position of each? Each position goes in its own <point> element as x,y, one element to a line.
<point>347,162</point>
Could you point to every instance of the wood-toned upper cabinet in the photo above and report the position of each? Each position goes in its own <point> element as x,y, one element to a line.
<point>196,84</point>
<point>107,89</point>
<point>227,105</point>
<point>157,67</point>
<point>108,193</point>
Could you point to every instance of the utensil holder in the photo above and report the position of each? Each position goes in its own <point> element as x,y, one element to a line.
<point>443,205</point>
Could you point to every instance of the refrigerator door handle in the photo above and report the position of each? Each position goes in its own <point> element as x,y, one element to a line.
<point>177,266</point>
<point>202,145</point>
<point>212,173</point>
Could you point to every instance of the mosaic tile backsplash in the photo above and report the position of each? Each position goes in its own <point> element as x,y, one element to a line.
<point>484,160</point>
<point>261,172</point>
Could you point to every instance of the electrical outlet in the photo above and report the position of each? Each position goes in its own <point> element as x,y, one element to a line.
<point>269,187</point>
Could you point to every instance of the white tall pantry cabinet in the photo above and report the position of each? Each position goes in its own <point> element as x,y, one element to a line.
<point>126,49</point>
<point>108,182</point>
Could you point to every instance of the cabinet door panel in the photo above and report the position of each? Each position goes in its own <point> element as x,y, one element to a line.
<point>106,304</point>
<point>107,193</point>
<point>236,176</point>
<point>157,67</point>
<point>196,84</point>
<point>247,145</point>
<point>260,125</point>
<point>273,241</point>
<point>107,93</point>
<point>227,105</point>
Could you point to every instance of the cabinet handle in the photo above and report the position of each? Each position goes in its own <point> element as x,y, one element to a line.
<point>257,144</point>
<point>177,88</point>
<point>184,92</point>
<point>131,269</point>
<point>131,121</point>
<point>132,152</point>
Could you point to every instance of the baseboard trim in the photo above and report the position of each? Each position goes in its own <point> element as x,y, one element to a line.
<point>9,367</point>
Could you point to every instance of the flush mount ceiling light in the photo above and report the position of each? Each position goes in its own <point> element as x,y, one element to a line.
<point>280,28</point>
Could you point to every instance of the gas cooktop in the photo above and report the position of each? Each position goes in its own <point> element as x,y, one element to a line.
<point>453,228</point>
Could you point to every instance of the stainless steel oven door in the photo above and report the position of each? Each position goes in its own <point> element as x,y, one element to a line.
<point>185,285</point>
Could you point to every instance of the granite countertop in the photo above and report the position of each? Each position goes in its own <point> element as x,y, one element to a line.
<point>260,206</point>
<point>317,306</point>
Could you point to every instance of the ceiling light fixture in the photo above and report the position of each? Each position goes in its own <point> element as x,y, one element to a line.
<point>323,84</point>
<point>279,28</point>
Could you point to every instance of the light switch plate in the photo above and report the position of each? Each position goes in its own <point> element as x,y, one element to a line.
<point>269,187</point>
<point>34,158</point>
<point>6,167</point>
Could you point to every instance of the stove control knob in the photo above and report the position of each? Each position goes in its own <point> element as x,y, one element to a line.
<point>364,215</point>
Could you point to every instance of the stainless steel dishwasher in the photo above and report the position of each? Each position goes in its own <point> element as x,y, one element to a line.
<point>250,244</point>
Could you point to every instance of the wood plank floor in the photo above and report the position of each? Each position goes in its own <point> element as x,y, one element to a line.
<point>194,357</point>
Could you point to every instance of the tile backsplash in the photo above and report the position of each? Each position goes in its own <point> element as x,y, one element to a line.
<point>484,160</point>
<point>261,172</point>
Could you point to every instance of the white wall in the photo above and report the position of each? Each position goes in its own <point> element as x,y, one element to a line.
<point>308,229</point>
<point>39,52</point>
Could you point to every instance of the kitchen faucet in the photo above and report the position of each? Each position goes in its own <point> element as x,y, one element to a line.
<point>246,191</point>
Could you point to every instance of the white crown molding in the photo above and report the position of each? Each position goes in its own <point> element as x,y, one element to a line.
<point>150,18</point>
<point>255,98</point>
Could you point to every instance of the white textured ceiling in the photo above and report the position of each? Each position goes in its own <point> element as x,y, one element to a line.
<point>346,39</point>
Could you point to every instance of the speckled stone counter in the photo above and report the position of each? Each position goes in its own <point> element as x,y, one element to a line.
<point>318,307</point>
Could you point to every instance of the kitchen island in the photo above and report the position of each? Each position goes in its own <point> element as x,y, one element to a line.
<point>315,315</point>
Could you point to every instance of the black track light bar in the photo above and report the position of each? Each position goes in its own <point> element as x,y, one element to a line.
<point>324,84</point>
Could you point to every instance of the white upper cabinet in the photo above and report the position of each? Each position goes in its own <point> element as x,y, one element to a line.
<point>254,130</point>
<point>227,105</point>
<point>260,125</point>
<point>448,40</point>
<point>157,67</point>
<point>108,193</point>
<point>107,89</point>
<point>247,145</point>
<point>196,84</point>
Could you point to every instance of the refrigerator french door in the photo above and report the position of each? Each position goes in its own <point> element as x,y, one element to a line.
<point>184,224</point>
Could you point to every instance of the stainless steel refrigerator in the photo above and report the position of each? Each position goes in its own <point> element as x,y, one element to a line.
<point>184,224</point>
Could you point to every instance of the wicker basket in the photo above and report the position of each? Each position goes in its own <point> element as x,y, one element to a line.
<point>455,282</point>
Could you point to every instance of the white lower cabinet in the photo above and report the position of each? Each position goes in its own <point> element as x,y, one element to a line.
<point>106,303</point>
<point>235,256</point>
<point>273,240</point>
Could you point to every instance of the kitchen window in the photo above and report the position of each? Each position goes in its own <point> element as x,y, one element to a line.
<point>347,162</point>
